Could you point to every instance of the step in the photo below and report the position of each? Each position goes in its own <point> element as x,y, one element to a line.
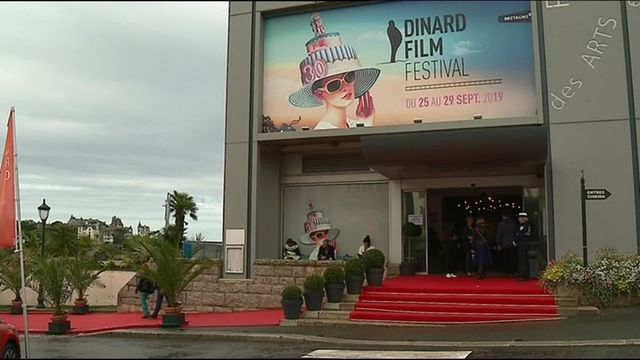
<point>566,301</point>
<point>327,314</point>
<point>350,298</point>
<point>426,317</point>
<point>349,323</point>
<point>340,306</point>
<point>477,289</point>
<point>460,298</point>
<point>455,307</point>
<point>577,310</point>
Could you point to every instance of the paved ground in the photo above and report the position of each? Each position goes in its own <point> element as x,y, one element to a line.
<point>94,347</point>
<point>612,334</point>
<point>620,323</point>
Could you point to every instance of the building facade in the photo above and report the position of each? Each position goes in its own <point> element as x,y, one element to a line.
<point>348,119</point>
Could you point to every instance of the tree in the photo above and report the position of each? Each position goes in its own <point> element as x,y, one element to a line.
<point>118,236</point>
<point>51,275</point>
<point>61,239</point>
<point>182,205</point>
<point>10,276</point>
<point>170,271</point>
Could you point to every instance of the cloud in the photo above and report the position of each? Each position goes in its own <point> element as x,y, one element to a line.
<point>464,48</point>
<point>373,35</point>
<point>116,105</point>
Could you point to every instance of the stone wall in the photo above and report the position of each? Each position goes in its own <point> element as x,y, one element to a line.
<point>209,292</point>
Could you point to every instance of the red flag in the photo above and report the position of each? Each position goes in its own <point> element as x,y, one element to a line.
<point>8,231</point>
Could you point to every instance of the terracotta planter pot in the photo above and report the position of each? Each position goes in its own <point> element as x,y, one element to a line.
<point>16,307</point>
<point>80,307</point>
<point>59,324</point>
<point>173,317</point>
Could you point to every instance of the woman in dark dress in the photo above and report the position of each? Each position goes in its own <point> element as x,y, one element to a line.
<point>483,252</point>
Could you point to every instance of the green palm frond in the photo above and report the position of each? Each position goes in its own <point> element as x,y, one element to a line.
<point>52,276</point>
<point>170,271</point>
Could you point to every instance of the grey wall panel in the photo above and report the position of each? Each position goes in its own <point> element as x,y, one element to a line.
<point>235,186</point>
<point>239,7</point>
<point>276,5</point>
<point>355,209</point>
<point>633,16</point>
<point>585,61</point>
<point>268,242</point>
<point>238,78</point>
<point>602,149</point>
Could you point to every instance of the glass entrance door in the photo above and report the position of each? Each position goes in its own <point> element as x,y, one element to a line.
<point>533,201</point>
<point>414,231</point>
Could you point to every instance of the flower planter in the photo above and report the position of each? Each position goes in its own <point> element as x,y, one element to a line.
<point>59,325</point>
<point>335,292</point>
<point>374,277</point>
<point>292,308</point>
<point>313,299</point>
<point>625,300</point>
<point>571,292</point>
<point>354,284</point>
<point>80,307</point>
<point>16,307</point>
<point>173,317</point>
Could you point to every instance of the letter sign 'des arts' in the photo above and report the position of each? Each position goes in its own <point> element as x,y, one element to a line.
<point>391,62</point>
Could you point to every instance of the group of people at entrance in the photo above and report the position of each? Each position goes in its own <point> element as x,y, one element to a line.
<point>291,250</point>
<point>512,244</point>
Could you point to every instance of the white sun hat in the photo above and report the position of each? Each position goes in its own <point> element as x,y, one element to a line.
<point>327,56</point>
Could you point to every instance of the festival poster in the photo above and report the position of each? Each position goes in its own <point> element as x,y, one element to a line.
<point>393,62</point>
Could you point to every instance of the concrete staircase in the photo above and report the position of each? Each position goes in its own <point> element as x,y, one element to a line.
<point>332,314</point>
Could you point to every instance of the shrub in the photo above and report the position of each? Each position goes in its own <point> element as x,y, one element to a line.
<point>314,283</point>
<point>354,266</point>
<point>291,292</point>
<point>373,259</point>
<point>609,275</point>
<point>334,275</point>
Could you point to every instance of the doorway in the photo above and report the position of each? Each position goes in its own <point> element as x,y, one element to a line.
<point>431,210</point>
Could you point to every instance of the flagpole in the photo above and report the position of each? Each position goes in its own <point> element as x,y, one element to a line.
<point>20,241</point>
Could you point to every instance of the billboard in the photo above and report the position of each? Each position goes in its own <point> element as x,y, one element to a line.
<point>393,62</point>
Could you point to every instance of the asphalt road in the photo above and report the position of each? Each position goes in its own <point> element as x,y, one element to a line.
<point>88,347</point>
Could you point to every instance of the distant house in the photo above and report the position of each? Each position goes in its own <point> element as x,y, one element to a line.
<point>143,230</point>
<point>92,228</point>
<point>101,231</point>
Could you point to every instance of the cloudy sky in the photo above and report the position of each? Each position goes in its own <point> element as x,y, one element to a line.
<point>116,105</point>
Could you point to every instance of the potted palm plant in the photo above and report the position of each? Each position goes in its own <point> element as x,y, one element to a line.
<point>292,302</point>
<point>411,232</point>
<point>52,276</point>
<point>334,283</point>
<point>354,270</point>
<point>374,266</point>
<point>11,279</point>
<point>83,272</point>
<point>172,274</point>
<point>313,292</point>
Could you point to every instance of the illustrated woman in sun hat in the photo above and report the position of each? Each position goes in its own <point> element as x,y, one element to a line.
<point>332,76</point>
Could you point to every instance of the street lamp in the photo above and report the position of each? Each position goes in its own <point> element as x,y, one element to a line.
<point>43,212</point>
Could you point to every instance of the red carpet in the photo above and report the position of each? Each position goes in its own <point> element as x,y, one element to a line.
<point>462,300</point>
<point>97,322</point>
